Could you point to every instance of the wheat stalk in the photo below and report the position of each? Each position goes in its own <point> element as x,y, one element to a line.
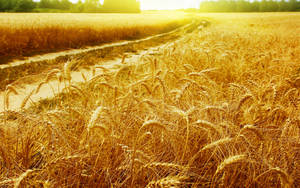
<point>18,180</point>
<point>123,59</point>
<point>164,165</point>
<point>284,177</point>
<point>83,76</point>
<point>40,86</point>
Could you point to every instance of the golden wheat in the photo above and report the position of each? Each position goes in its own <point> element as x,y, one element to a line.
<point>48,32</point>
<point>158,125</point>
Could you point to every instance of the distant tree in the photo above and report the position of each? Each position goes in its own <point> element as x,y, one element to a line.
<point>232,6</point>
<point>243,6</point>
<point>24,6</point>
<point>255,6</point>
<point>7,5</point>
<point>226,6</point>
<point>55,4</point>
<point>65,4</point>
<point>283,6</point>
<point>92,5</point>
<point>292,5</point>
<point>121,6</point>
<point>249,6</point>
<point>273,6</point>
<point>78,7</point>
<point>209,6</point>
<point>45,4</point>
<point>263,6</point>
<point>2,5</point>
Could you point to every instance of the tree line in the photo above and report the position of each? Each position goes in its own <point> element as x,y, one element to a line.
<point>67,6</point>
<point>134,6</point>
<point>249,6</point>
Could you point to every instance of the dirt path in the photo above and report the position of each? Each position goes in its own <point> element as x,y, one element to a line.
<point>14,101</point>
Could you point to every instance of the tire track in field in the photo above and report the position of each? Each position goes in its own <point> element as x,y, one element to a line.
<point>13,71</point>
<point>54,87</point>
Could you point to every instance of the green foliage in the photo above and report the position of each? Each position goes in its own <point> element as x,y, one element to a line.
<point>249,6</point>
<point>55,4</point>
<point>24,6</point>
<point>67,6</point>
<point>91,6</point>
<point>7,5</point>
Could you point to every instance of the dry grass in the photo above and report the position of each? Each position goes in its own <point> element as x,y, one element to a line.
<point>162,125</point>
<point>26,34</point>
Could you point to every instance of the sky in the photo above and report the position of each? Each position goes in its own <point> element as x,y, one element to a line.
<point>165,4</point>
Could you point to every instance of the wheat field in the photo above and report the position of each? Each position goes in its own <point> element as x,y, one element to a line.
<point>218,108</point>
<point>24,34</point>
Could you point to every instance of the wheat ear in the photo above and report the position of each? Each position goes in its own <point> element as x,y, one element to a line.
<point>253,130</point>
<point>8,90</point>
<point>152,123</point>
<point>12,89</point>
<point>243,100</point>
<point>146,135</point>
<point>208,125</point>
<point>216,143</point>
<point>25,100</point>
<point>229,161</point>
<point>201,73</point>
<point>51,74</point>
<point>162,84</point>
<point>171,181</point>
<point>218,108</point>
<point>147,88</point>
<point>94,117</point>
<point>67,70</point>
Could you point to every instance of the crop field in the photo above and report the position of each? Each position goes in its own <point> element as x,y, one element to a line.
<point>33,33</point>
<point>217,107</point>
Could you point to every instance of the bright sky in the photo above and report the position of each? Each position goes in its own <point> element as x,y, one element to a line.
<point>165,4</point>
